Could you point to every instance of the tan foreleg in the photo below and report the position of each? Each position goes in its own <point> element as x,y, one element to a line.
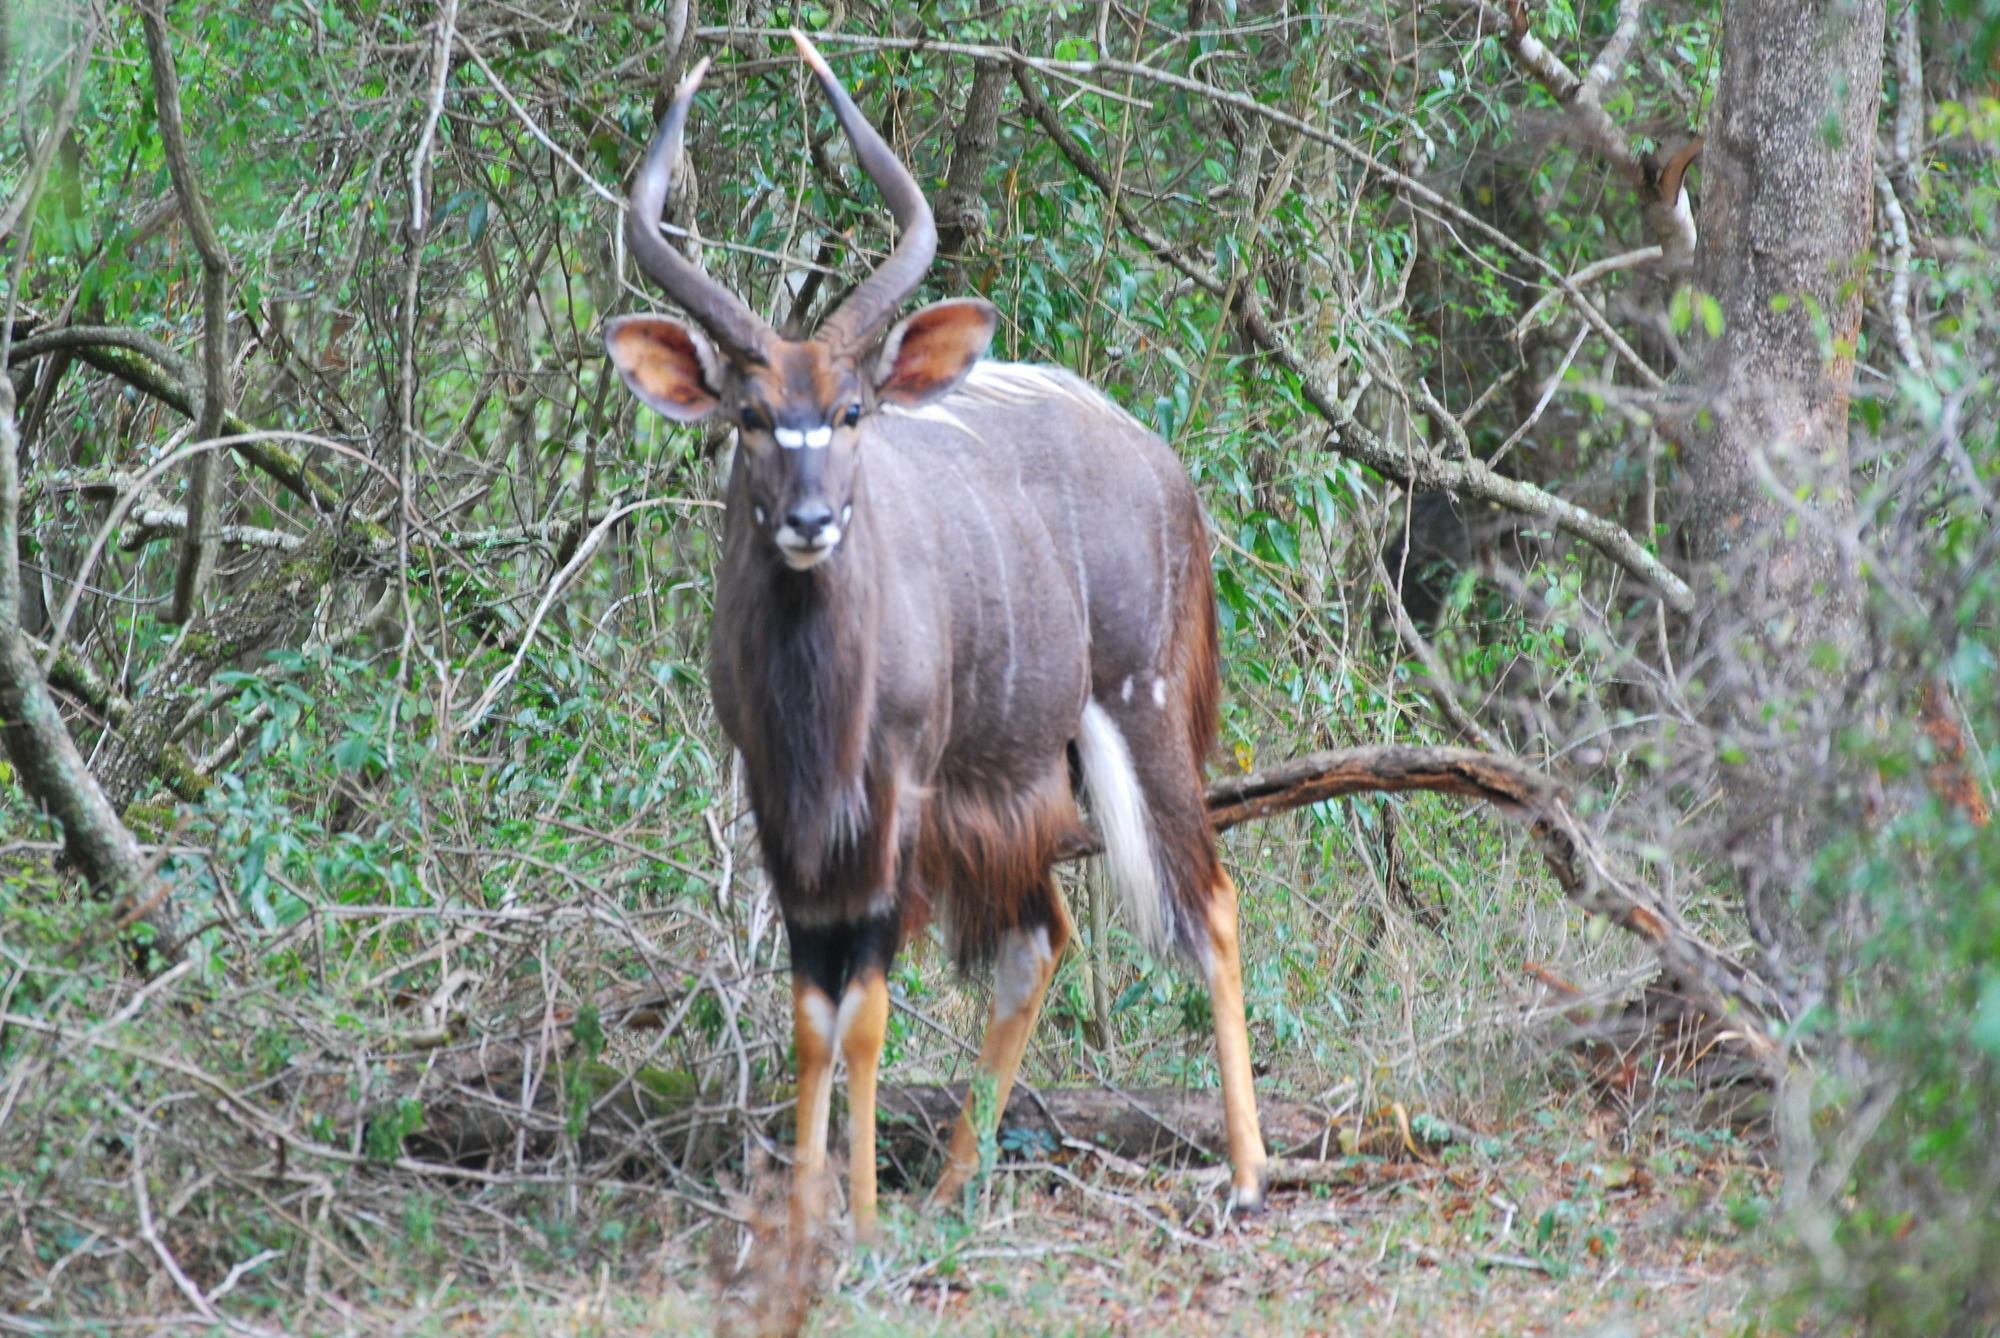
<point>864,1017</point>
<point>813,1027</point>
<point>1247,1158</point>
<point>1021,978</point>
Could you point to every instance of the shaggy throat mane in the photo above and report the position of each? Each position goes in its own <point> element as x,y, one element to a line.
<point>810,659</point>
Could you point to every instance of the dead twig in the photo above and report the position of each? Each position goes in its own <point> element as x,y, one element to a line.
<point>1416,470</point>
<point>198,550</point>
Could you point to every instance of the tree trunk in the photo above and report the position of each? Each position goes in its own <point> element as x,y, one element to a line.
<point>1789,182</point>
<point>45,758</point>
<point>961,206</point>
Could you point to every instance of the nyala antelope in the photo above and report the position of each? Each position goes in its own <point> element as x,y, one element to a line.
<point>946,586</point>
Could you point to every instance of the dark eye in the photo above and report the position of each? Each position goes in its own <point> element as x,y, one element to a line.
<point>752,420</point>
<point>852,416</point>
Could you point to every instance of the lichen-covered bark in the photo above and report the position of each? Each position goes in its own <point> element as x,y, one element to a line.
<point>1788,188</point>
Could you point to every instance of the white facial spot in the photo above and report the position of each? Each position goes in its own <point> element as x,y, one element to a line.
<point>792,438</point>
<point>846,514</point>
<point>1125,689</point>
<point>758,512</point>
<point>801,555</point>
<point>1159,691</point>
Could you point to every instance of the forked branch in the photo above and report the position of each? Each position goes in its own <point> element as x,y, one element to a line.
<point>1658,181</point>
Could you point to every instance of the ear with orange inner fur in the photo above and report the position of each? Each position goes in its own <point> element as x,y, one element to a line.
<point>933,349</point>
<point>668,364</point>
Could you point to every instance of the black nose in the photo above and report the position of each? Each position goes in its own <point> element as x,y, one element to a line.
<point>808,519</point>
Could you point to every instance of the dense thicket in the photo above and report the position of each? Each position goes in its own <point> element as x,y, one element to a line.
<point>375,611</point>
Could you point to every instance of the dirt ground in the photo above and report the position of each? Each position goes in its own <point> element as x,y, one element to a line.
<point>1485,1243</point>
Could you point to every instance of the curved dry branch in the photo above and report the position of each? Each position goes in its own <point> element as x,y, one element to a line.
<point>45,758</point>
<point>1719,984</point>
<point>168,377</point>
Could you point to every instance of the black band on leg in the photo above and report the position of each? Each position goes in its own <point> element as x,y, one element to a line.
<point>830,957</point>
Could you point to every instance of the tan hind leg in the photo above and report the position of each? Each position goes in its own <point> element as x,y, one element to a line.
<point>813,1031</point>
<point>1247,1158</point>
<point>864,1017</point>
<point>1021,976</point>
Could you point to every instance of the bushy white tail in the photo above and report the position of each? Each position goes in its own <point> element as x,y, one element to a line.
<point>1119,804</point>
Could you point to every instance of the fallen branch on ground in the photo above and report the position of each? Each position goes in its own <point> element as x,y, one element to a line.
<point>468,1126</point>
<point>1716,983</point>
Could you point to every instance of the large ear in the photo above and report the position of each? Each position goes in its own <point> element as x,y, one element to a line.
<point>667,363</point>
<point>930,352</point>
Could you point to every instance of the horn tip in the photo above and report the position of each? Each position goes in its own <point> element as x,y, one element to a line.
<point>811,54</point>
<point>692,79</point>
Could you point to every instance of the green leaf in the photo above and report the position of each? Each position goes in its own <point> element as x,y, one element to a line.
<point>588,1031</point>
<point>1985,1030</point>
<point>352,753</point>
<point>1711,315</point>
<point>1680,311</point>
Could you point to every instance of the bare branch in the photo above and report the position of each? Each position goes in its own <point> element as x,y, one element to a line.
<point>156,521</point>
<point>1909,92</point>
<point>1611,58</point>
<point>45,758</point>
<point>179,372</point>
<point>170,378</point>
<point>198,553</point>
<point>1416,470</point>
<point>1900,248</point>
<point>1903,170</point>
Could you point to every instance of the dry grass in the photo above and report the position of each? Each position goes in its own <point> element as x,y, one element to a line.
<point>1457,1249</point>
<point>1563,1205</point>
<point>1398,960</point>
